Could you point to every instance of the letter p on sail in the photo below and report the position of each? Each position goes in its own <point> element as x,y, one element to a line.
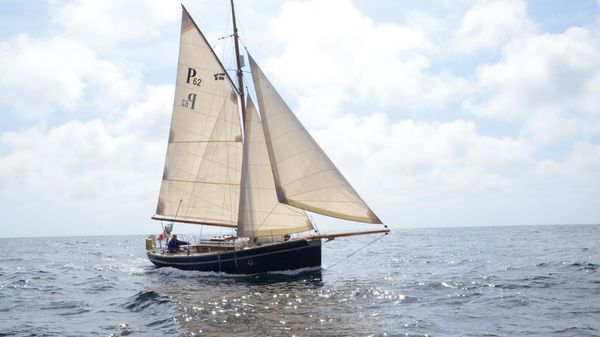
<point>191,74</point>
<point>192,99</point>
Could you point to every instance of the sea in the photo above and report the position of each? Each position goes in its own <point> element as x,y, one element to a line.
<point>472,281</point>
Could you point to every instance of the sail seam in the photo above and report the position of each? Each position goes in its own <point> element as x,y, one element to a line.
<point>297,154</point>
<point>195,89</point>
<point>191,221</point>
<point>310,175</point>
<point>273,139</point>
<point>176,126</point>
<point>196,173</point>
<point>204,219</point>
<point>200,182</point>
<point>202,141</point>
<point>198,200</point>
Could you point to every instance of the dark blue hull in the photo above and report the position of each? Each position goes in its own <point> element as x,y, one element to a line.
<point>288,255</point>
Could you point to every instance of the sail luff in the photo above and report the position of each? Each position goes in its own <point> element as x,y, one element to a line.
<point>304,175</point>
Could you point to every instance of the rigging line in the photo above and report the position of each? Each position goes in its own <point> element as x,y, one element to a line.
<point>243,44</point>
<point>177,211</point>
<point>225,37</point>
<point>312,220</point>
<point>356,251</point>
<point>248,65</point>
<point>265,219</point>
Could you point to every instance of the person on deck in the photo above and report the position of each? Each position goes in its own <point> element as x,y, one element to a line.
<point>174,244</point>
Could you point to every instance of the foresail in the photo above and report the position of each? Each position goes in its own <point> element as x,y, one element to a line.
<point>304,176</point>
<point>203,164</point>
<point>261,214</point>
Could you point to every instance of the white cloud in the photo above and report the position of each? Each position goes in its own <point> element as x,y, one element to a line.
<point>426,174</point>
<point>90,171</point>
<point>342,56</point>
<point>149,116</point>
<point>92,152</point>
<point>548,82</point>
<point>41,75</point>
<point>44,75</point>
<point>100,165</point>
<point>489,24</point>
<point>105,24</point>
<point>579,169</point>
<point>416,160</point>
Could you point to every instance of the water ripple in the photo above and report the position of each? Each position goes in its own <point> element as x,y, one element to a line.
<point>513,281</point>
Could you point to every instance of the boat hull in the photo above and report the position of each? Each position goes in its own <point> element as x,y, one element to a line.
<point>288,255</point>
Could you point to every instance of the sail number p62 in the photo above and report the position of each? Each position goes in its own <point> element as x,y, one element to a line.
<point>190,102</point>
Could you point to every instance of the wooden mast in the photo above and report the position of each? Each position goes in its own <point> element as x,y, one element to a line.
<point>240,74</point>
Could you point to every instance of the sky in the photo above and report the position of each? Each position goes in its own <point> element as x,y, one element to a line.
<point>439,113</point>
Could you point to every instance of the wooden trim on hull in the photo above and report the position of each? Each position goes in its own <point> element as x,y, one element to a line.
<point>288,255</point>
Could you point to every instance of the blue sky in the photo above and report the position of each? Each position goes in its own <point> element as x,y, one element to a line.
<point>440,113</point>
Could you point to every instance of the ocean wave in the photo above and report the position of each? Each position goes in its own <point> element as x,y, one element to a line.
<point>587,266</point>
<point>67,307</point>
<point>577,265</point>
<point>144,299</point>
<point>301,271</point>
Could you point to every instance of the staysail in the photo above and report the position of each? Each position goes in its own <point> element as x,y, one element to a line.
<point>261,214</point>
<point>304,176</point>
<point>203,165</point>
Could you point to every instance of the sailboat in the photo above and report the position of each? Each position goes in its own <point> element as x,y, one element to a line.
<point>227,166</point>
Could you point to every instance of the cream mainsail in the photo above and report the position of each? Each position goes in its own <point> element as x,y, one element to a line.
<point>261,214</point>
<point>304,176</point>
<point>203,164</point>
